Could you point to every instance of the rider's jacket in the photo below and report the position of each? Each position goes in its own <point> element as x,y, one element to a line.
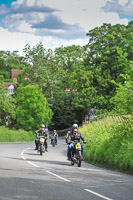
<point>42,133</point>
<point>76,136</point>
<point>55,134</point>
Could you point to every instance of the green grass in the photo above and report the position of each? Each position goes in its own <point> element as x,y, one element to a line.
<point>109,144</point>
<point>7,135</point>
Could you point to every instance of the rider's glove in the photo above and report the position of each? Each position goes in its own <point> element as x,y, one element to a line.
<point>72,142</point>
<point>85,142</point>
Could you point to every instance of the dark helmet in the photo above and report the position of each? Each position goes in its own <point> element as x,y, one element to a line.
<point>75,126</point>
<point>42,126</point>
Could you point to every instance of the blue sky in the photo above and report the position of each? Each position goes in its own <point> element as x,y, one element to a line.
<point>57,23</point>
<point>7,2</point>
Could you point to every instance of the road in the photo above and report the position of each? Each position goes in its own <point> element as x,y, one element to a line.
<point>24,174</point>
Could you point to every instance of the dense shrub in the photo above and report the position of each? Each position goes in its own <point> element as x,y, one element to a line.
<point>7,135</point>
<point>110,143</point>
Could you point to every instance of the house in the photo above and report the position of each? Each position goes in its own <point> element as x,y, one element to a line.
<point>10,85</point>
<point>14,74</point>
<point>69,91</point>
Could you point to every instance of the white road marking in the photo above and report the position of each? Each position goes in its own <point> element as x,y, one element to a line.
<point>33,164</point>
<point>23,157</point>
<point>58,176</point>
<point>97,194</point>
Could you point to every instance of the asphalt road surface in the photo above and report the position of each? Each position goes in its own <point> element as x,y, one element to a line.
<point>24,174</point>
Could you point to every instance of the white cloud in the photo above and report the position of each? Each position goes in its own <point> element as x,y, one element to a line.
<point>26,21</point>
<point>122,2</point>
<point>30,2</point>
<point>87,13</point>
<point>121,7</point>
<point>10,41</point>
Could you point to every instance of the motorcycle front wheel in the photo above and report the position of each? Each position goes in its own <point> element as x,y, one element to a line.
<point>79,160</point>
<point>41,149</point>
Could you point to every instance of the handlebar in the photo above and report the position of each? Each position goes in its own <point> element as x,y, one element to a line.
<point>76,141</point>
<point>41,137</point>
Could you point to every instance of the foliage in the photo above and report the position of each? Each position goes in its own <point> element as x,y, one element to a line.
<point>123,100</point>
<point>110,143</point>
<point>8,135</point>
<point>54,72</point>
<point>7,104</point>
<point>39,68</point>
<point>8,61</point>
<point>109,55</point>
<point>71,74</point>
<point>90,72</point>
<point>32,108</point>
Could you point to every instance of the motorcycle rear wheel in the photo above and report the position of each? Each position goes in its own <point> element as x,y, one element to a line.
<point>72,162</point>
<point>53,143</point>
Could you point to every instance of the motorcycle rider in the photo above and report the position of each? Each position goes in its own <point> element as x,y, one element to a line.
<point>67,136</point>
<point>55,135</point>
<point>74,135</point>
<point>41,132</point>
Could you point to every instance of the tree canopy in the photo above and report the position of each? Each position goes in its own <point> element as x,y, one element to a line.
<point>88,72</point>
<point>32,108</point>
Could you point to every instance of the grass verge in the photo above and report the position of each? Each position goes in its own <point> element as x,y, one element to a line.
<point>7,135</point>
<point>110,144</point>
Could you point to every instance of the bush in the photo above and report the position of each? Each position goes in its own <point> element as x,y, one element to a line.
<point>7,135</point>
<point>109,143</point>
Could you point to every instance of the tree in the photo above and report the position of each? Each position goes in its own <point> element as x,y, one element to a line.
<point>9,61</point>
<point>109,54</point>
<point>71,74</point>
<point>39,68</point>
<point>7,105</point>
<point>123,100</point>
<point>32,108</point>
<point>54,72</point>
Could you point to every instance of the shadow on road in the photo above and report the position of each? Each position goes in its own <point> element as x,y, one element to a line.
<point>54,162</point>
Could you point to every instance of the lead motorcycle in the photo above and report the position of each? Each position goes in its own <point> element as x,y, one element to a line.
<point>41,145</point>
<point>76,154</point>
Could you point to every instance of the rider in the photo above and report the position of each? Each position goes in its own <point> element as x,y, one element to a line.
<point>67,136</point>
<point>55,135</point>
<point>41,132</point>
<point>75,134</point>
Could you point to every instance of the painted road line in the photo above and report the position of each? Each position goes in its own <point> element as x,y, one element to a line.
<point>58,176</point>
<point>23,157</point>
<point>97,194</point>
<point>33,164</point>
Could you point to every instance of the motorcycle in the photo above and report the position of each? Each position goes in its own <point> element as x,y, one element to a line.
<point>53,141</point>
<point>41,146</point>
<point>76,154</point>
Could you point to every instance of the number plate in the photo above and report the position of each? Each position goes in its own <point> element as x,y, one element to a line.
<point>42,140</point>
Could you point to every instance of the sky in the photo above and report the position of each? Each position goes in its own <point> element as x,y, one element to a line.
<point>57,23</point>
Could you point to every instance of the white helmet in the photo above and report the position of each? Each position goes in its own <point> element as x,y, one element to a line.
<point>75,126</point>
